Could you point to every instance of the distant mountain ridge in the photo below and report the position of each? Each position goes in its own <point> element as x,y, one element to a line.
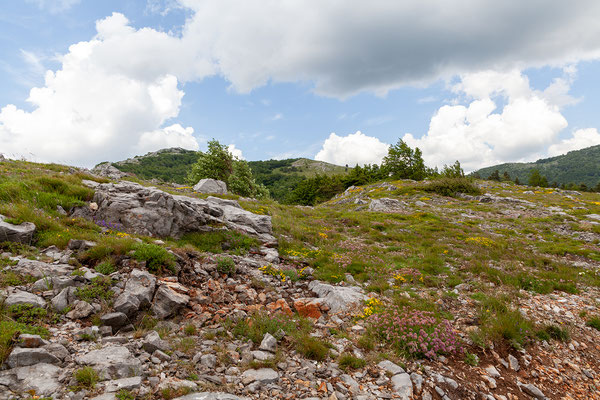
<point>279,176</point>
<point>578,166</point>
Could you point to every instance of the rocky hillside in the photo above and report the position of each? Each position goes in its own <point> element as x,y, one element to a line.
<point>577,167</point>
<point>118,290</point>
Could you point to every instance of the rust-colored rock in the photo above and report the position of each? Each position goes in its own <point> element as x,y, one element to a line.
<point>308,308</point>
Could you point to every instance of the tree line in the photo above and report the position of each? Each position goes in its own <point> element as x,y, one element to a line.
<point>536,179</point>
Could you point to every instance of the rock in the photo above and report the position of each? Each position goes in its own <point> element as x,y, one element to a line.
<point>153,342</point>
<point>153,212</point>
<point>124,384</point>
<point>53,283</point>
<point>64,299</point>
<point>167,302</point>
<point>513,362</point>
<point>262,375</point>
<point>23,357</point>
<point>112,362</point>
<point>57,350</point>
<point>262,355</point>
<point>114,320</point>
<point>386,205</point>
<point>338,298</point>
<point>138,292</point>
<point>39,269</point>
<point>390,367</point>
<point>211,396</point>
<point>107,170</point>
<point>22,233</point>
<point>533,391</point>
<point>40,378</point>
<point>78,244</point>
<point>492,371</point>
<point>21,297</point>
<point>209,360</point>
<point>210,186</point>
<point>308,307</point>
<point>82,309</point>
<point>30,341</point>
<point>161,356</point>
<point>269,343</point>
<point>403,386</point>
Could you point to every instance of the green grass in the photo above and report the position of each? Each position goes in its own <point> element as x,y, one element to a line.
<point>594,322</point>
<point>225,265</point>
<point>347,362</point>
<point>9,331</point>
<point>158,260</point>
<point>86,377</point>
<point>220,241</point>
<point>97,289</point>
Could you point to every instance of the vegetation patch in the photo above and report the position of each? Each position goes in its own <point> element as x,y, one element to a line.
<point>158,260</point>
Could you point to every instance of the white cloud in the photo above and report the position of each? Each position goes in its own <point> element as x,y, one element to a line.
<point>235,151</point>
<point>276,117</point>
<point>478,134</point>
<point>356,148</point>
<point>90,110</point>
<point>581,138</point>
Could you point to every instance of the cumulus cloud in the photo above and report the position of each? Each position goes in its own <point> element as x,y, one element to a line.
<point>345,47</point>
<point>480,134</point>
<point>235,151</point>
<point>94,108</point>
<point>581,138</point>
<point>356,148</point>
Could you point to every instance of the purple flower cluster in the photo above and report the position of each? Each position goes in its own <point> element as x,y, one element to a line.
<point>109,225</point>
<point>417,333</point>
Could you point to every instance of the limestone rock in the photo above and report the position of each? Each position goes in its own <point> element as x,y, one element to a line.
<point>386,204</point>
<point>112,362</point>
<point>153,342</point>
<point>22,233</point>
<point>138,292</point>
<point>124,384</point>
<point>210,186</point>
<point>262,375</point>
<point>403,386</point>
<point>30,341</point>
<point>167,302</point>
<point>153,212</point>
<point>108,171</point>
<point>39,269</point>
<point>24,298</point>
<point>40,378</point>
<point>23,357</point>
<point>82,309</point>
<point>338,298</point>
<point>269,343</point>
<point>115,320</point>
<point>390,367</point>
<point>64,299</point>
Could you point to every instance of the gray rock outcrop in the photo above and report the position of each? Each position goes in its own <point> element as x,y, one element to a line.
<point>386,205</point>
<point>41,378</point>
<point>108,171</point>
<point>210,186</point>
<point>24,298</point>
<point>338,298</point>
<point>112,362</point>
<point>153,212</point>
<point>22,233</point>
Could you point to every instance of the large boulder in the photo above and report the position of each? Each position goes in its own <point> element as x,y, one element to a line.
<point>139,291</point>
<point>23,357</point>
<point>43,379</point>
<point>39,269</point>
<point>108,171</point>
<point>338,298</point>
<point>22,233</point>
<point>153,212</point>
<point>387,205</point>
<point>112,362</point>
<point>210,186</point>
<point>21,297</point>
<point>168,301</point>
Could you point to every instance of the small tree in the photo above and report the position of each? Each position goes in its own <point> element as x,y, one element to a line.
<point>537,179</point>
<point>494,176</point>
<point>402,162</point>
<point>216,163</point>
<point>517,181</point>
<point>506,176</point>
<point>453,171</point>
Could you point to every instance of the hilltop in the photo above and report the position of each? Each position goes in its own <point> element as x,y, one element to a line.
<point>279,176</point>
<point>580,166</point>
<point>396,289</point>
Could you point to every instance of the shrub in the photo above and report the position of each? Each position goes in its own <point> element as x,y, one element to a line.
<point>106,267</point>
<point>86,377</point>
<point>225,265</point>
<point>471,359</point>
<point>220,240</point>
<point>415,333</point>
<point>348,361</point>
<point>553,332</point>
<point>124,394</point>
<point>158,260</point>
<point>594,322</point>
<point>452,186</point>
<point>500,322</point>
<point>99,288</point>
<point>312,347</point>
<point>255,327</point>
<point>190,329</point>
<point>27,313</point>
<point>9,329</point>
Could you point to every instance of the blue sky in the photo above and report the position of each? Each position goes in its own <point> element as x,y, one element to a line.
<point>276,81</point>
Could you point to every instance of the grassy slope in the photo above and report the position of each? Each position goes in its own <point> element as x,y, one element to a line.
<point>419,254</point>
<point>581,166</point>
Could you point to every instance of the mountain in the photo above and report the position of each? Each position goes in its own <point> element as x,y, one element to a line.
<point>279,176</point>
<point>580,166</point>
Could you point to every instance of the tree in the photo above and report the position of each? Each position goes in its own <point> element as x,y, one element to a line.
<point>402,162</point>
<point>517,181</point>
<point>506,176</point>
<point>215,163</point>
<point>494,176</point>
<point>453,171</point>
<point>219,163</point>
<point>537,179</point>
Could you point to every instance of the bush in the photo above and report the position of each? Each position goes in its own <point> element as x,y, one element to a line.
<point>348,361</point>
<point>255,327</point>
<point>27,313</point>
<point>415,333</point>
<point>452,186</point>
<point>86,377</point>
<point>312,347</point>
<point>225,265</point>
<point>158,260</point>
<point>106,267</point>
<point>553,332</point>
<point>99,288</point>
<point>219,241</point>
<point>594,322</point>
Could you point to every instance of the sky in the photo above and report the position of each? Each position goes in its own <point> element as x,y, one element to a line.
<point>482,82</point>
